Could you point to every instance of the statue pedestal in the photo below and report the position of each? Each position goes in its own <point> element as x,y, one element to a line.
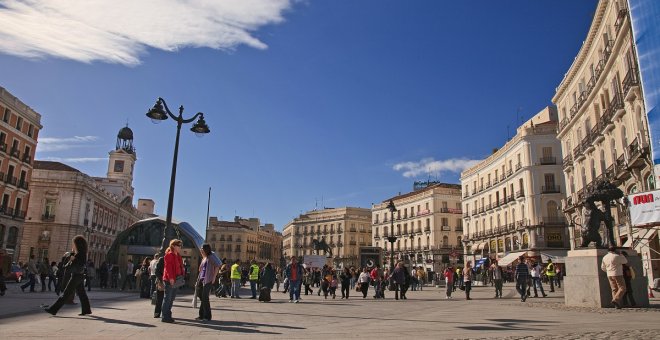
<point>586,285</point>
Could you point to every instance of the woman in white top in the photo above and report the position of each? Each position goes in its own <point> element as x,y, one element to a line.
<point>363,281</point>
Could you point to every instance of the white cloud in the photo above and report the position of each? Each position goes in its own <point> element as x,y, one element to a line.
<point>75,159</point>
<point>429,166</point>
<point>119,31</point>
<point>51,144</point>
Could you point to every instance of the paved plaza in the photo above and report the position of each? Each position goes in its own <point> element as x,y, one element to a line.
<point>118,315</point>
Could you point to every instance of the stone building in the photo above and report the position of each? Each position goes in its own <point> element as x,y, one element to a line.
<point>603,126</point>
<point>19,130</point>
<point>427,225</point>
<point>345,230</point>
<point>511,200</point>
<point>245,239</point>
<point>66,202</point>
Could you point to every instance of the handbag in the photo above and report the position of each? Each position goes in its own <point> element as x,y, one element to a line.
<point>180,281</point>
<point>358,287</point>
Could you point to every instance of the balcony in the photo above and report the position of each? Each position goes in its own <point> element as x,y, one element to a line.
<point>577,153</point>
<point>620,19</point>
<point>352,243</point>
<point>481,188</point>
<point>3,147</point>
<point>481,210</point>
<point>502,177</point>
<point>22,184</point>
<point>474,212</point>
<point>617,105</point>
<point>509,173</point>
<point>48,218</point>
<point>376,237</point>
<point>474,191</point>
<point>597,132</point>
<point>548,160</point>
<point>15,153</point>
<point>27,159</point>
<point>466,215</point>
<point>353,230</point>
<point>488,185</point>
<point>631,82</point>
<point>550,189</point>
<point>520,193</point>
<point>518,166</point>
<point>11,180</point>
<point>427,229</point>
<point>19,214</point>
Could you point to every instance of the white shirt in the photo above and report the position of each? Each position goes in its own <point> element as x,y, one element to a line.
<point>364,277</point>
<point>536,271</point>
<point>152,267</point>
<point>613,264</point>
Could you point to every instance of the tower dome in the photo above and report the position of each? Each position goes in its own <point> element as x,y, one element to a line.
<point>125,140</point>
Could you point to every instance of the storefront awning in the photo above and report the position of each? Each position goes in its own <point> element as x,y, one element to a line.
<point>508,259</point>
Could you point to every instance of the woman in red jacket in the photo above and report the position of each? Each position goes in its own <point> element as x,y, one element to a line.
<point>173,264</point>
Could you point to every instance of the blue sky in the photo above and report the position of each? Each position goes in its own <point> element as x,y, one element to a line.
<point>310,103</point>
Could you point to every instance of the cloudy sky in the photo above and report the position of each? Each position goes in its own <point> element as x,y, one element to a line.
<point>310,103</point>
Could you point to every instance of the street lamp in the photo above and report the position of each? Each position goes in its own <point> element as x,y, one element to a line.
<point>160,112</point>
<point>391,238</point>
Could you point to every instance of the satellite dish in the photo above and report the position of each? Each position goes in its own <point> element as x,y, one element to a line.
<point>370,263</point>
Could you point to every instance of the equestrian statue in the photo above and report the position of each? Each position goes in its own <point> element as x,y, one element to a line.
<point>321,245</point>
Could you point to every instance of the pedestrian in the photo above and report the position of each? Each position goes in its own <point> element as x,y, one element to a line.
<point>497,279</point>
<point>613,265</point>
<point>208,270</point>
<point>278,278</point>
<point>308,281</point>
<point>129,275</point>
<point>267,279</point>
<point>254,278</point>
<point>173,271</point>
<point>75,266</point>
<point>333,285</point>
<point>152,274</point>
<point>52,276</point>
<point>160,285</point>
<point>421,277</point>
<point>235,279</point>
<point>551,273</point>
<point>468,275</point>
<point>294,274</point>
<point>90,275</point>
<point>103,275</point>
<point>145,282</point>
<point>522,274</point>
<point>628,276</point>
<point>32,272</point>
<point>354,276</point>
<point>345,278</point>
<point>536,279</point>
<point>224,279</point>
<point>43,272</point>
<point>449,280</point>
<point>363,282</point>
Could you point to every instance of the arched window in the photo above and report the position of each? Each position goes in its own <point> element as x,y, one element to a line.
<point>650,182</point>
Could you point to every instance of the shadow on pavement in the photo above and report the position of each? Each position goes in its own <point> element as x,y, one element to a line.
<point>106,320</point>
<point>233,326</point>
<point>505,325</point>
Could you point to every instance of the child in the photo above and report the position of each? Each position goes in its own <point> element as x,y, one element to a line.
<point>333,286</point>
<point>325,286</point>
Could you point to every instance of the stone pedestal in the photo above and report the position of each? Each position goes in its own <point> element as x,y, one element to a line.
<point>586,285</point>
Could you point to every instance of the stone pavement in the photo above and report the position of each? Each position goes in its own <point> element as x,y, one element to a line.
<point>118,315</point>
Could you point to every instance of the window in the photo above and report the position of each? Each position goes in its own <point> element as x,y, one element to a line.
<point>2,235</point>
<point>19,123</point>
<point>49,209</point>
<point>119,166</point>
<point>6,116</point>
<point>30,130</point>
<point>12,238</point>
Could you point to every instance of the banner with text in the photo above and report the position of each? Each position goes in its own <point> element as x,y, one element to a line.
<point>645,208</point>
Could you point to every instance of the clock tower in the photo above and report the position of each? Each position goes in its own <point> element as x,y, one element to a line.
<point>121,163</point>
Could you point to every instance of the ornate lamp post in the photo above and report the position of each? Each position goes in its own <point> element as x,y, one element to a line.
<point>160,112</point>
<point>391,238</point>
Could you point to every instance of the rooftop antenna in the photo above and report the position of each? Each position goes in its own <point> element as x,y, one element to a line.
<point>316,204</point>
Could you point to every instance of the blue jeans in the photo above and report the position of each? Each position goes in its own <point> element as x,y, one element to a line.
<point>168,300</point>
<point>32,281</point>
<point>294,290</point>
<point>537,283</point>
<point>253,288</point>
<point>235,286</point>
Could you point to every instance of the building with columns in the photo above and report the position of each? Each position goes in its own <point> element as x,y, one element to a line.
<point>427,224</point>
<point>603,127</point>
<point>245,239</point>
<point>345,230</point>
<point>19,130</point>
<point>511,200</point>
<point>66,202</point>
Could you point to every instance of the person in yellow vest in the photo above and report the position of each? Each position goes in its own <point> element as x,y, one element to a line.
<point>550,272</point>
<point>235,279</point>
<point>254,278</point>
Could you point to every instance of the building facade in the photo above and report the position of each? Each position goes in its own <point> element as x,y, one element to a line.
<point>511,200</point>
<point>603,126</point>
<point>245,239</point>
<point>66,202</point>
<point>19,130</point>
<point>427,225</point>
<point>345,230</point>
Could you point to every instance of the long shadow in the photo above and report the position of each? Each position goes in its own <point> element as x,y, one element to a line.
<point>505,325</point>
<point>352,317</point>
<point>120,322</point>
<point>232,326</point>
<point>96,307</point>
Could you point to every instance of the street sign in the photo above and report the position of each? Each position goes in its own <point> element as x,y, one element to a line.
<point>453,253</point>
